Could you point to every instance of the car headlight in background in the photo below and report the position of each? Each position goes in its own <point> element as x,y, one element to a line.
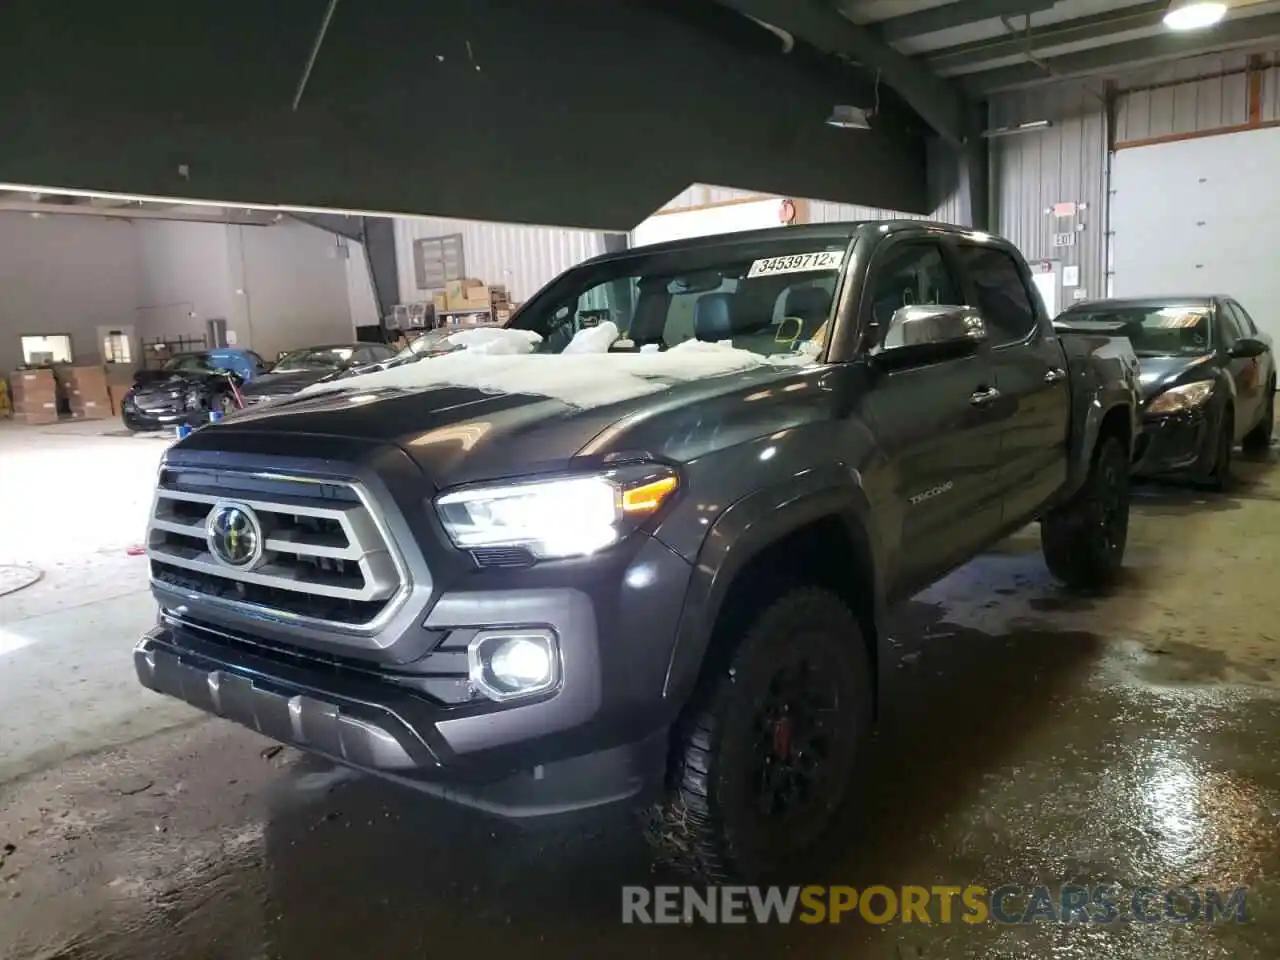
<point>504,664</point>
<point>564,517</point>
<point>1192,396</point>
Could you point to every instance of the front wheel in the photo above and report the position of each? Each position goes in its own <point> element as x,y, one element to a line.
<point>762,763</point>
<point>1258,440</point>
<point>1084,539</point>
<point>1219,476</point>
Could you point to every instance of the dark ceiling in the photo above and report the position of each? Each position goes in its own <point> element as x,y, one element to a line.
<point>941,54</point>
<point>587,113</point>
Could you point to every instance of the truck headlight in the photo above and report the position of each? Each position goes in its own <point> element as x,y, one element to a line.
<point>1191,396</point>
<point>520,663</point>
<point>563,517</point>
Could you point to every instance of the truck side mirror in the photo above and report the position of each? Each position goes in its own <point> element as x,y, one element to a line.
<point>932,328</point>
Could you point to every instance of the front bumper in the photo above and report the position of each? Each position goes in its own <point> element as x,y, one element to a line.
<point>587,744</point>
<point>136,419</point>
<point>1176,444</point>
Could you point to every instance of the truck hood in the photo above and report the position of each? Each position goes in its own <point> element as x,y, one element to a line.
<point>1158,374</point>
<point>464,418</point>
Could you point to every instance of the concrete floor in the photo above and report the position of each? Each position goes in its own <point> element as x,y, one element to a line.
<point>1031,737</point>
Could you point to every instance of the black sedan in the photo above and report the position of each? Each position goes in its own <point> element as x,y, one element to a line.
<point>1208,380</point>
<point>187,388</point>
<point>301,368</point>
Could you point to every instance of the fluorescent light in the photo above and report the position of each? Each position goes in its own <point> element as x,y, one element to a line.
<point>848,118</point>
<point>1194,14</point>
<point>1031,126</point>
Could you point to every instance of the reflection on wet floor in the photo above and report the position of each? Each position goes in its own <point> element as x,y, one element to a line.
<point>1028,737</point>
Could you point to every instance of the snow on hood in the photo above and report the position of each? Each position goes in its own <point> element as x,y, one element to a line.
<point>588,377</point>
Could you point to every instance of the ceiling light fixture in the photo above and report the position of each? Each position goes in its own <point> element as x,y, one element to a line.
<point>1194,14</point>
<point>848,118</point>
<point>1031,126</point>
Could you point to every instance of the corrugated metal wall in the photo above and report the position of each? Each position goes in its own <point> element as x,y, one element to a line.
<point>523,258</point>
<point>1067,162</point>
<point>1199,95</point>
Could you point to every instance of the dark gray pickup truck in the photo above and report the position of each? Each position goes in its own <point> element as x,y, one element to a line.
<point>639,546</point>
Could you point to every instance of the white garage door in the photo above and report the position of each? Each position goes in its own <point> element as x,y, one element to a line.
<point>725,218</point>
<point>1198,216</point>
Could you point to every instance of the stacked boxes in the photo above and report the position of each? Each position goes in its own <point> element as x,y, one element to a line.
<point>86,391</point>
<point>35,396</point>
<point>119,382</point>
<point>466,294</point>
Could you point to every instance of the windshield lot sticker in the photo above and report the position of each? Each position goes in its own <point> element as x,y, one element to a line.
<point>798,263</point>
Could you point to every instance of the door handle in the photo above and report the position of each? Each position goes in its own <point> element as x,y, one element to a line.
<point>1054,375</point>
<point>984,396</point>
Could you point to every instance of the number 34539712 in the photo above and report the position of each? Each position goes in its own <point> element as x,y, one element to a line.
<point>797,263</point>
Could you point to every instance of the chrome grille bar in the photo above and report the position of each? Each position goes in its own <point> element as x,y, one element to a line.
<point>314,548</point>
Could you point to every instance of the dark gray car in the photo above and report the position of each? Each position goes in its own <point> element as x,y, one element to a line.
<point>303,367</point>
<point>640,548</point>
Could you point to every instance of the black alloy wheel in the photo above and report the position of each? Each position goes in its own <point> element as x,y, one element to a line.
<point>763,759</point>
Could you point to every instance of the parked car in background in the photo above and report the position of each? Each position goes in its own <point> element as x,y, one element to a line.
<point>187,387</point>
<point>301,368</point>
<point>644,559</point>
<point>1208,380</point>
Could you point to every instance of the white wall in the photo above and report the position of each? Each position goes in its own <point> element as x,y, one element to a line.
<point>184,279</point>
<point>294,287</point>
<point>361,300</point>
<point>64,274</point>
<point>277,287</point>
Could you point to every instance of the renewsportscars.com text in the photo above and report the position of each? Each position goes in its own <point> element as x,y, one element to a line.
<point>1007,904</point>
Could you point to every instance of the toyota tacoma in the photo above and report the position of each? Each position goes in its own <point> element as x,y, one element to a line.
<point>639,545</point>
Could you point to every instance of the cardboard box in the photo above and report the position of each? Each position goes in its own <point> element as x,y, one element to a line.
<point>439,301</point>
<point>35,419</point>
<point>115,397</point>
<point>120,373</point>
<point>31,379</point>
<point>91,409</point>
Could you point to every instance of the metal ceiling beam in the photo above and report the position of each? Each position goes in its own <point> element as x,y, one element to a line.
<point>822,26</point>
<point>952,15</point>
<point>1097,27</point>
<point>248,218</point>
<point>1247,32</point>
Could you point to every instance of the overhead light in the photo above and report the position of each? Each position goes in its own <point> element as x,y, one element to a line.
<point>848,118</point>
<point>1031,126</point>
<point>1194,14</point>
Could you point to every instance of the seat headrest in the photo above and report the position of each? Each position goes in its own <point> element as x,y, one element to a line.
<point>807,303</point>
<point>713,317</point>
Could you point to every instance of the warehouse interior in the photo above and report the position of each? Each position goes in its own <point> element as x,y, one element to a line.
<point>246,176</point>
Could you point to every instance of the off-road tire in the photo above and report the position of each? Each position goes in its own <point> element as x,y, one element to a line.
<point>706,827</point>
<point>1083,540</point>
<point>1258,440</point>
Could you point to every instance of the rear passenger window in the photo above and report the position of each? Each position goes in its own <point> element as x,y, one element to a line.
<point>1243,320</point>
<point>1003,298</point>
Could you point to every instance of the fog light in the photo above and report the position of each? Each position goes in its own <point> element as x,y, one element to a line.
<point>504,666</point>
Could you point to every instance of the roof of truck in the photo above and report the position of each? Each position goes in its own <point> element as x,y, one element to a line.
<point>840,230</point>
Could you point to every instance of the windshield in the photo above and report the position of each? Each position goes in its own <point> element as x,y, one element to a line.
<point>424,344</point>
<point>1155,331</point>
<point>313,358</point>
<point>770,297</point>
<point>188,363</point>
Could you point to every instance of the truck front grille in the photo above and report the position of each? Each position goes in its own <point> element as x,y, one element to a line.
<point>324,557</point>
